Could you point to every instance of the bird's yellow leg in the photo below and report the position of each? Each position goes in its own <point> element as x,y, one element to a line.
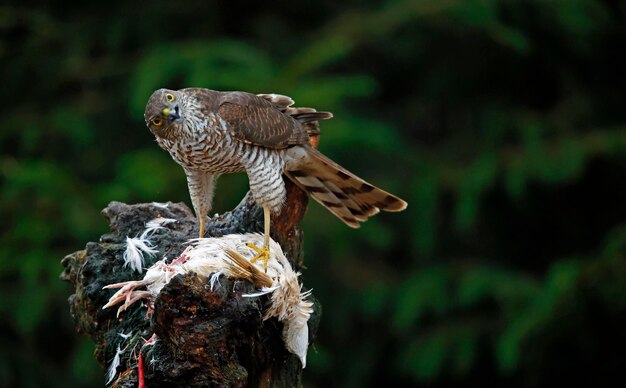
<point>201,219</point>
<point>263,253</point>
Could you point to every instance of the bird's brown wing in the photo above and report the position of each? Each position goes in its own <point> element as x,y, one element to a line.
<point>255,120</point>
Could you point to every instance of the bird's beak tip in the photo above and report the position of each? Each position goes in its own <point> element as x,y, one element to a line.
<point>171,114</point>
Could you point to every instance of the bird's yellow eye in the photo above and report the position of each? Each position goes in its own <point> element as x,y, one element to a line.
<point>169,97</point>
<point>157,122</point>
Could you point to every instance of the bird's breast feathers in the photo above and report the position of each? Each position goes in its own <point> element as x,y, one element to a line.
<point>209,148</point>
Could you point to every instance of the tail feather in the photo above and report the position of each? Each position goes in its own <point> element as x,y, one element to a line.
<point>344,194</point>
<point>307,115</point>
<point>350,203</point>
<point>320,193</point>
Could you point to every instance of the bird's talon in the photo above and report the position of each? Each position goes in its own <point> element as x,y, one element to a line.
<point>262,254</point>
<point>254,248</point>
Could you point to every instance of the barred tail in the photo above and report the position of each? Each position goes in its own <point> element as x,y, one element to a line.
<point>344,194</point>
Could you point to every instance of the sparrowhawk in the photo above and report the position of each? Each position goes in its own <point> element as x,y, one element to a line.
<point>210,133</point>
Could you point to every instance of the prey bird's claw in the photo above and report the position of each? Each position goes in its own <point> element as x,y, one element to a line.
<point>127,293</point>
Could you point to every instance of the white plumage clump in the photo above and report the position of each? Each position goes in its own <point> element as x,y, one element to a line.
<point>156,224</point>
<point>112,371</point>
<point>136,247</point>
<point>230,256</point>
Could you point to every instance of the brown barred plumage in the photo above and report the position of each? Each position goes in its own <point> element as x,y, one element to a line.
<point>210,133</point>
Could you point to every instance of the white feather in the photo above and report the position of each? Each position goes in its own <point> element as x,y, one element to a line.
<point>135,249</point>
<point>264,291</point>
<point>125,336</point>
<point>215,278</point>
<point>296,337</point>
<point>112,371</point>
<point>154,225</point>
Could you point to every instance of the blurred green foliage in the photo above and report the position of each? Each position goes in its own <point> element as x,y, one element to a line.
<point>502,123</point>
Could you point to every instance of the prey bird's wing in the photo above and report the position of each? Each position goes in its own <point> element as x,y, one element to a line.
<point>255,120</point>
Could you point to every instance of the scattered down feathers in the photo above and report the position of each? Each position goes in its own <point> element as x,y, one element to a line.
<point>137,247</point>
<point>112,371</point>
<point>230,256</point>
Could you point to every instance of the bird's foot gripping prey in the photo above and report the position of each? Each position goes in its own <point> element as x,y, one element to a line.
<point>210,133</point>
<point>263,253</point>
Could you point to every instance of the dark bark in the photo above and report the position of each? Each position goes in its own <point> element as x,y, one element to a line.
<point>205,338</point>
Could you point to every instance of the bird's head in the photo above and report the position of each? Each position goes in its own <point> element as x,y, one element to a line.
<point>164,113</point>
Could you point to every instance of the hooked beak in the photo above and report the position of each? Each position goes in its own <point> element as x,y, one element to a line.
<point>171,114</point>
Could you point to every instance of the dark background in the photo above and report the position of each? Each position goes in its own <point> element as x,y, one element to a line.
<point>502,123</point>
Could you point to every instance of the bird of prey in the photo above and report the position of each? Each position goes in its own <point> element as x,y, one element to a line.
<point>210,133</point>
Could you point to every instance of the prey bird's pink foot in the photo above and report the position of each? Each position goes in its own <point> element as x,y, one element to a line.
<point>127,292</point>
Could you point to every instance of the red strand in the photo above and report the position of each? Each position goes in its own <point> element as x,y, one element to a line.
<point>141,383</point>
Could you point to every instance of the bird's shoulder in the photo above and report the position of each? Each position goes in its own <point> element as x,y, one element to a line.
<point>257,120</point>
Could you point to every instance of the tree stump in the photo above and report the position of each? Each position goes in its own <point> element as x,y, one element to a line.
<point>205,338</point>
